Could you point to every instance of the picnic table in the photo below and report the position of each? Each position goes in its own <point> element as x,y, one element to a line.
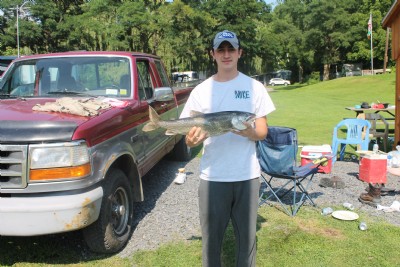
<point>389,110</point>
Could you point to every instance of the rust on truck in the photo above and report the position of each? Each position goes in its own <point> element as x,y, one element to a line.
<point>83,217</point>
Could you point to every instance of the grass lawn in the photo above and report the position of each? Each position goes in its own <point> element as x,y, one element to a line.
<point>314,110</point>
<point>308,239</point>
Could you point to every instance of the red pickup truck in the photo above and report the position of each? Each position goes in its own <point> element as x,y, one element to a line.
<point>72,149</point>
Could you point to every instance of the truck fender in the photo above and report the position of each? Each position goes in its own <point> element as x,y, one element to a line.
<point>119,156</point>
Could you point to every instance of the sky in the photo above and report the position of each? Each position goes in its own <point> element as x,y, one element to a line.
<point>266,1</point>
<point>270,1</point>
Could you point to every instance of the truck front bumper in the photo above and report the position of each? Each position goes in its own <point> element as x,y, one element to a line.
<point>47,214</point>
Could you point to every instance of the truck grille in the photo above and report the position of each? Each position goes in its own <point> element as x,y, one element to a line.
<point>13,166</point>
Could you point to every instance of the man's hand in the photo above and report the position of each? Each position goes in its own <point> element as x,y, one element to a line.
<point>196,136</point>
<point>259,132</point>
<point>249,132</point>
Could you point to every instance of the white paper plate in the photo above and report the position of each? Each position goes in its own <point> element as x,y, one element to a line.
<point>345,215</point>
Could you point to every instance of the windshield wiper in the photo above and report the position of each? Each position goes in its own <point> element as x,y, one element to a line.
<point>7,96</point>
<point>70,93</point>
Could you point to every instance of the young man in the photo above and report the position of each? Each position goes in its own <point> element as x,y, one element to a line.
<point>229,169</point>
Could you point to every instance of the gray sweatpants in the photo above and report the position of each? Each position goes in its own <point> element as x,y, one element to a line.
<point>220,202</point>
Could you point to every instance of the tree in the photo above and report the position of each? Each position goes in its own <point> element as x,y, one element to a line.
<point>288,28</point>
<point>185,36</point>
<point>327,31</point>
<point>301,35</point>
<point>361,48</point>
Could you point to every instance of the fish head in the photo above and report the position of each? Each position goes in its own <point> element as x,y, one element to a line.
<point>239,118</point>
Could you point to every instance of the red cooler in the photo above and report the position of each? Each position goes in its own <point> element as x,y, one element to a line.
<point>310,153</point>
<point>373,168</point>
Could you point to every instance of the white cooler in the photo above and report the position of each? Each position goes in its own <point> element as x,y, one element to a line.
<point>310,153</point>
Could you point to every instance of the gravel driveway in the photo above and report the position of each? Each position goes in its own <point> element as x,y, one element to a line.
<point>170,211</point>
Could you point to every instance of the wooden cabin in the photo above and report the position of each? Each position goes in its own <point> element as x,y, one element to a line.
<point>392,21</point>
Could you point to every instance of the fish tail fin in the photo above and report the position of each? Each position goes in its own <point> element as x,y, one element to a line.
<point>154,120</point>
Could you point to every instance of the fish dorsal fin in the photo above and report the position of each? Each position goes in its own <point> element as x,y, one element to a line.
<point>194,113</point>
<point>154,120</point>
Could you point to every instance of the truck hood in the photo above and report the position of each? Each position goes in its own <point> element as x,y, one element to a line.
<point>18,122</point>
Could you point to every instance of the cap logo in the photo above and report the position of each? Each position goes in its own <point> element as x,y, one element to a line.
<point>226,35</point>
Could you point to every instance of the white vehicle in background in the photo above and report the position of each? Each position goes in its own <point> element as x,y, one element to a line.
<point>278,81</point>
<point>185,76</point>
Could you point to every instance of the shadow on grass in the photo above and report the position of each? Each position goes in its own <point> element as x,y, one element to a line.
<point>66,248</point>
<point>276,89</point>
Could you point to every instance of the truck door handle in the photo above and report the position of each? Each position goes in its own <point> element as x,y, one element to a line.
<point>134,138</point>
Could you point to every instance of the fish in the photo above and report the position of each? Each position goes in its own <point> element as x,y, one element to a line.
<point>214,124</point>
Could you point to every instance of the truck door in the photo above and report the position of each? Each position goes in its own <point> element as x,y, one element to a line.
<point>166,109</point>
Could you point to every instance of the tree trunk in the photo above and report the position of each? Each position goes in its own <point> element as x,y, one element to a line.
<point>300,73</point>
<point>326,72</point>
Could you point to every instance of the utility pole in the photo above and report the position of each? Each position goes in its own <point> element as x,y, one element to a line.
<point>17,30</point>
<point>370,38</point>
<point>18,10</point>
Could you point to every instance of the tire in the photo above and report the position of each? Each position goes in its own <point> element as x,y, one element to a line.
<point>286,84</point>
<point>272,84</point>
<point>181,151</point>
<point>112,230</point>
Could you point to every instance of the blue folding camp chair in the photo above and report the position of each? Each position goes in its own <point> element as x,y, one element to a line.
<point>277,155</point>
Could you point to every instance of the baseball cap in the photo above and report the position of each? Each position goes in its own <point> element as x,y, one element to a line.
<point>227,36</point>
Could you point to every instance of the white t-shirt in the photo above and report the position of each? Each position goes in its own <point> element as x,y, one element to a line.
<point>229,157</point>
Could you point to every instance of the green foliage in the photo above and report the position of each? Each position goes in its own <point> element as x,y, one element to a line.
<point>313,78</point>
<point>10,51</point>
<point>302,36</point>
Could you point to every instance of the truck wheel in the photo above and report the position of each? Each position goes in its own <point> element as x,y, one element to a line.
<point>112,230</point>
<point>181,151</point>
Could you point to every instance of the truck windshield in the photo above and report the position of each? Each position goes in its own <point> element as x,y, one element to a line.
<point>45,77</point>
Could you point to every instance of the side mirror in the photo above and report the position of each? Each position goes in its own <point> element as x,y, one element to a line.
<point>163,94</point>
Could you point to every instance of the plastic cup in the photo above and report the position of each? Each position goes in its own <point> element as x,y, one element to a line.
<point>363,226</point>
<point>348,206</point>
<point>326,211</point>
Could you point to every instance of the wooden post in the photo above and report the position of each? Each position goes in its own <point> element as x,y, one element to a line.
<point>385,59</point>
<point>397,109</point>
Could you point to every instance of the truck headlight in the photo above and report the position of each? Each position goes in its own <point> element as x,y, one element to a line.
<point>59,161</point>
